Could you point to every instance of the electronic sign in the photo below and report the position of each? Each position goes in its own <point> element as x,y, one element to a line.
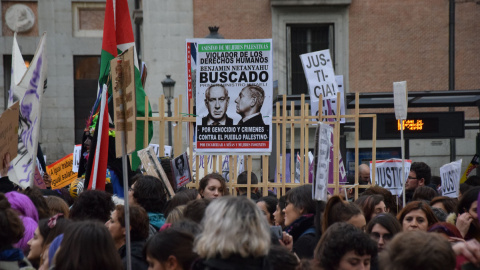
<point>435,125</point>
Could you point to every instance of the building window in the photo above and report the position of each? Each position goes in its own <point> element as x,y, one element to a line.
<point>305,38</point>
<point>86,72</point>
<point>88,19</point>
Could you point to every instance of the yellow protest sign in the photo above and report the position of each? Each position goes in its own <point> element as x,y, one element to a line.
<point>61,172</point>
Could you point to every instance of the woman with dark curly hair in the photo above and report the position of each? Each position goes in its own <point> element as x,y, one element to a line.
<point>150,193</point>
<point>417,215</point>
<point>343,246</point>
<point>92,205</point>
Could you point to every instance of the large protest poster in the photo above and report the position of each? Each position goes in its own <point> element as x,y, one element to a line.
<point>234,96</point>
<point>320,76</point>
<point>388,174</point>
<point>61,172</point>
<point>450,174</point>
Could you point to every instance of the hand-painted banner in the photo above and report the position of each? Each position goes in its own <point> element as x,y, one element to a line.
<point>450,174</point>
<point>388,174</point>
<point>23,166</point>
<point>234,90</point>
<point>61,172</point>
<point>318,69</point>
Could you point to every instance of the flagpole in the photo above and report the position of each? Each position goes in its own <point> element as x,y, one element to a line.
<point>121,130</point>
<point>99,136</point>
<point>127,209</point>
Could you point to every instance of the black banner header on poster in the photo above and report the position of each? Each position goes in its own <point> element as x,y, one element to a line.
<point>434,125</point>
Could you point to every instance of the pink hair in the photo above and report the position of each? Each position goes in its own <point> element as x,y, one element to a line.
<point>30,227</point>
<point>22,204</point>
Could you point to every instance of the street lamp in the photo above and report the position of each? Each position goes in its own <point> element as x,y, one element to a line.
<point>168,86</point>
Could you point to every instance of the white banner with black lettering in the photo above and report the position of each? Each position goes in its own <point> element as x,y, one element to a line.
<point>388,174</point>
<point>450,174</point>
<point>318,70</point>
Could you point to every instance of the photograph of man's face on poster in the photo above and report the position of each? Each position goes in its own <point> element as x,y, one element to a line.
<point>216,101</point>
<point>181,170</point>
<point>234,77</point>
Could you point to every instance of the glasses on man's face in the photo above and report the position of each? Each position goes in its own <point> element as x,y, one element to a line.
<point>412,178</point>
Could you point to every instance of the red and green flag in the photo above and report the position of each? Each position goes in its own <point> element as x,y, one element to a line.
<point>117,37</point>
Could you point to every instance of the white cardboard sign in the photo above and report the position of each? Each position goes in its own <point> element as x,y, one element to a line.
<point>388,174</point>
<point>450,174</point>
<point>318,70</point>
<point>330,105</point>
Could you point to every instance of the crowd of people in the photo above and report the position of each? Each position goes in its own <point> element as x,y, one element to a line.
<point>210,229</point>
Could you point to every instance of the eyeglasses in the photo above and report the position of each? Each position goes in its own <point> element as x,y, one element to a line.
<point>412,178</point>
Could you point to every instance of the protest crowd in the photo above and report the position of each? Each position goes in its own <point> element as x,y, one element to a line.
<point>108,215</point>
<point>71,228</point>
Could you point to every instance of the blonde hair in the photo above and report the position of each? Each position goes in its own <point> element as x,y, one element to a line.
<point>176,214</point>
<point>233,225</point>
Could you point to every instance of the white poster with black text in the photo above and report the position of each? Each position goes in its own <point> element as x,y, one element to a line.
<point>450,174</point>
<point>234,96</point>
<point>388,174</point>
